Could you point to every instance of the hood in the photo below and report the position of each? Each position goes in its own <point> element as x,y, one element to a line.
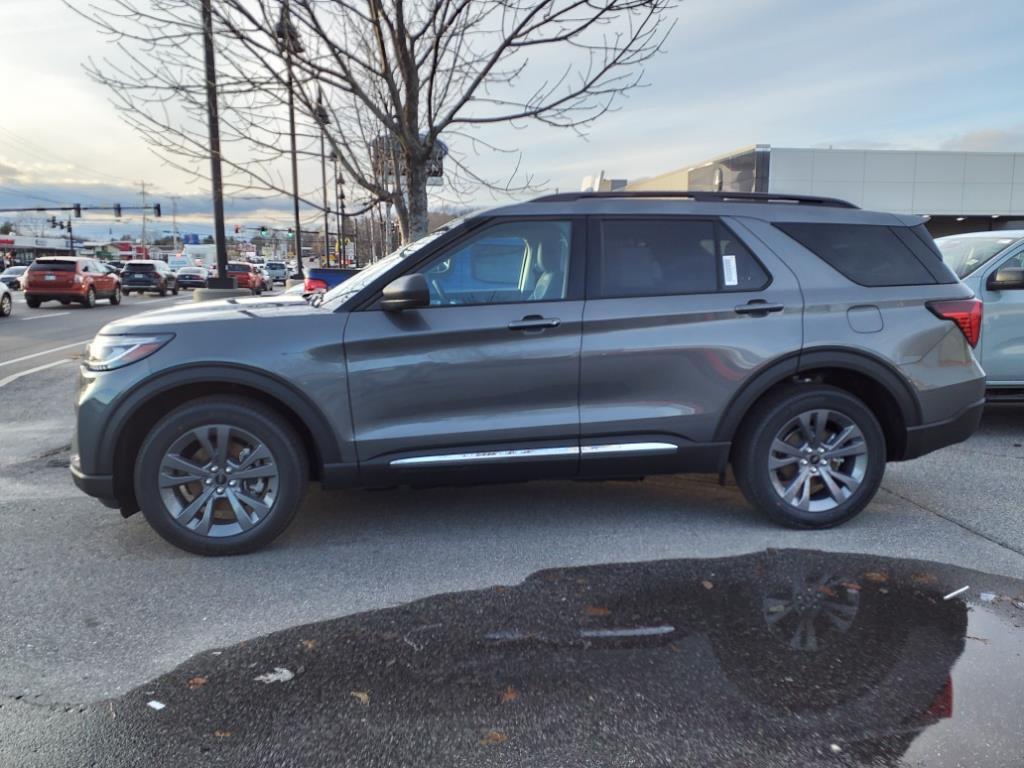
<point>207,311</point>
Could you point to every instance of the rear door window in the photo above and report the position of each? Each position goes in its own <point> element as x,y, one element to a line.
<point>869,255</point>
<point>664,257</point>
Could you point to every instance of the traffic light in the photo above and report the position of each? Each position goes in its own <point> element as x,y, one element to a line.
<point>53,222</point>
<point>78,210</point>
<point>263,231</point>
<point>117,210</point>
<point>156,210</point>
<point>238,229</point>
<point>291,233</point>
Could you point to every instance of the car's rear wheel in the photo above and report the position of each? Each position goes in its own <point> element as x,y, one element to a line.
<point>174,290</point>
<point>163,289</point>
<point>90,298</point>
<point>33,302</point>
<point>221,476</point>
<point>5,305</point>
<point>115,297</point>
<point>810,456</point>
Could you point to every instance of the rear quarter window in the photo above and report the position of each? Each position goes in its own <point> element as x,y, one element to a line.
<point>871,255</point>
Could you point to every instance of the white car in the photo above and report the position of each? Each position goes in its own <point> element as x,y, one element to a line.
<point>6,301</point>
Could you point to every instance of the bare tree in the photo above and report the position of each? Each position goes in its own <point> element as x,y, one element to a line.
<point>404,84</point>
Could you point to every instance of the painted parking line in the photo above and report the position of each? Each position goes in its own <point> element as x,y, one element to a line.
<point>15,376</point>
<point>44,352</point>
<point>43,317</point>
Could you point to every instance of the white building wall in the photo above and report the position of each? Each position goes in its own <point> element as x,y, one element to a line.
<point>957,183</point>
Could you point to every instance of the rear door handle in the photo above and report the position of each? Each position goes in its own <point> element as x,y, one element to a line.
<point>758,308</point>
<point>533,323</point>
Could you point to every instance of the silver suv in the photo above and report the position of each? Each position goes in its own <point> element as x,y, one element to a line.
<point>601,336</point>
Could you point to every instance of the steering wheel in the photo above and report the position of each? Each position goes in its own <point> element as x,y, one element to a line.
<point>441,295</point>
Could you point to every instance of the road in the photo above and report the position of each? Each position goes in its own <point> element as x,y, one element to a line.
<point>95,606</point>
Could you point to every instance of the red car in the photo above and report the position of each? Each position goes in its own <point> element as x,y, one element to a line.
<point>67,279</point>
<point>246,276</point>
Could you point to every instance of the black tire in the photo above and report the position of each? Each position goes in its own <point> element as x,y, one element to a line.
<point>115,297</point>
<point>754,447</point>
<point>6,305</point>
<point>90,298</point>
<point>33,302</point>
<point>241,413</point>
<point>174,290</point>
<point>163,289</point>
<point>65,302</point>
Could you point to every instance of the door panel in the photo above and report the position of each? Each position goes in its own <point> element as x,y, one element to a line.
<point>442,380</point>
<point>662,369</point>
<point>1002,335</point>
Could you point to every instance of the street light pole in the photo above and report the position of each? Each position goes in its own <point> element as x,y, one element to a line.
<point>323,118</point>
<point>222,280</point>
<point>339,209</point>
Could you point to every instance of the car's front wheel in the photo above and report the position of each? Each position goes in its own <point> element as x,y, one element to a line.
<point>115,297</point>
<point>221,476</point>
<point>810,456</point>
<point>5,305</point>
<point>90,298</point>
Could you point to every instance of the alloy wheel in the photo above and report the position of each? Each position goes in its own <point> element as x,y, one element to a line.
<point>817,460</point>
<point>218,480</point>
<point>5,306</point>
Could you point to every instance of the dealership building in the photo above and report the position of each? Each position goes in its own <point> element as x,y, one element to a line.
<point>956,191</point>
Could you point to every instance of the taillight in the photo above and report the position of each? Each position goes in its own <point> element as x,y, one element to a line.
<point>966,313</point>
<point>312,285</point>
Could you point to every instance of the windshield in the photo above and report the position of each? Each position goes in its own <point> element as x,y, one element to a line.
<point>367,275</point>
<point>965,254</point>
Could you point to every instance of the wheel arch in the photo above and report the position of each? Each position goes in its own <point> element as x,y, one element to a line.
<point>145,404</point>
<point>874,381</point>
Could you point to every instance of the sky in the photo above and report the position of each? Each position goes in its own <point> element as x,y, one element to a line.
<point>906,74</point>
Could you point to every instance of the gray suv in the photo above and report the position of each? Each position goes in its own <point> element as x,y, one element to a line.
<point>593,336</point>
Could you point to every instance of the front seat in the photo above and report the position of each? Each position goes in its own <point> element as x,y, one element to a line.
<point>551,260</point>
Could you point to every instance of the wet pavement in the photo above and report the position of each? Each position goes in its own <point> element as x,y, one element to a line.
<point>778,658</point>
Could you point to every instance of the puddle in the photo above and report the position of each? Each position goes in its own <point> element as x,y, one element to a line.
<point>780,658</point>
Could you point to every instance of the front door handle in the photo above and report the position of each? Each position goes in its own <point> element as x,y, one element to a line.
<point>533,323</point>
<point>758,308</point>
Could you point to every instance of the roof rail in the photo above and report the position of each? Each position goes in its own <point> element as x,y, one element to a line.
<point>701,197</point>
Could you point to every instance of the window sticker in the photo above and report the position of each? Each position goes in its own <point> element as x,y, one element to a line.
<point>729,269</point>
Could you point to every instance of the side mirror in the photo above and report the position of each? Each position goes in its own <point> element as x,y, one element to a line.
<point>1006,279</point>
<point>406,292</point>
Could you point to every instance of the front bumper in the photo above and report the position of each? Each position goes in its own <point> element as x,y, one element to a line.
<point>100,486</point>
<point>930,437</point>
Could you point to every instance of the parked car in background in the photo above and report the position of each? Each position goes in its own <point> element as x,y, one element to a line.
<point>6,301</point>
<point>12,277</point>
<point>800,340</point>
<point>148,276</point>
<point>193,277</point>
<point>277,270</point>
<point>992,264</point>
<point>65,279</point>
<point>246,276</point>
<point>325,278</point>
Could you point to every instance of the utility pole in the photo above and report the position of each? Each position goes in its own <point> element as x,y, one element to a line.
<point>324,119</point>
<point>144,215</point>
<point>222,280</point>
<point>289,35</point>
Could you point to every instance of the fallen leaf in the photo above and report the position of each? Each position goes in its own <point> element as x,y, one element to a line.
<point>853,586</point>
<point>309,645</point>
<point>707,584</point>
<point>596,610</point>
<point>222,734</point>
<point>878,577</point>
<point>362,697</point>
<point>923,578</point>
<point>674,647</point>
<point>509,694</point>
<point>197,682</point>
<point>491,738</point>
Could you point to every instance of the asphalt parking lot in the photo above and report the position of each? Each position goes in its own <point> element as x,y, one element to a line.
<point>94,606</point>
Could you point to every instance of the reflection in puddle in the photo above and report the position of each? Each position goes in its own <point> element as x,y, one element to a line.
<point>782,658</point>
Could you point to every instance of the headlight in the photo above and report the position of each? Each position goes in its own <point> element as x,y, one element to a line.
<point>108,352</point>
